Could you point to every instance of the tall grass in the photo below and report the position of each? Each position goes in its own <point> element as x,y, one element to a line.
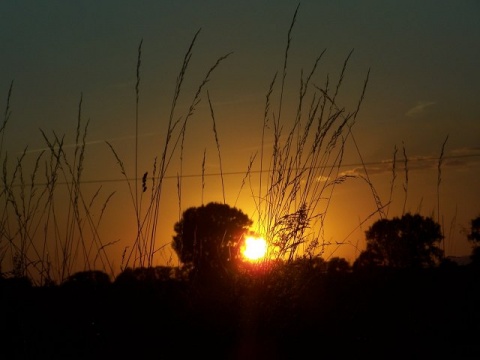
<point>439,181</point>
<point>145,246</point>
<point>292,193</point>
<point>39,240</point>
<point>297,182</point>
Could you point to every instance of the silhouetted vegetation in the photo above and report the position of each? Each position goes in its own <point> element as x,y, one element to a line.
<point>266,310</point>
<point>411,241</point>
<point>269,314</point>
<point>474,237</point>
<point>208,238</point>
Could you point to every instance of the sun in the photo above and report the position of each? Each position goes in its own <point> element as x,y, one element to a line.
<point>254,249</point>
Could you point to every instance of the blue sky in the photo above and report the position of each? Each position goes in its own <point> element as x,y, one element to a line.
<point>423,86</point>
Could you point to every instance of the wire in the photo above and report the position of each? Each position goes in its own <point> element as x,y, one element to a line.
<point>386,162</point>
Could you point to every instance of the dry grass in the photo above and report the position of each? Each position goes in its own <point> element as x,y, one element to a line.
<point>39,239</point>
<point>292,187</point>
<point>297,183</point>
<point>142,252</point>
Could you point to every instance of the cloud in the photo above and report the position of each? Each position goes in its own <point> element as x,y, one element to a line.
<point>464,157</point>
<point>457,158</point>
<point>467,151</point>
<point>419,108</point>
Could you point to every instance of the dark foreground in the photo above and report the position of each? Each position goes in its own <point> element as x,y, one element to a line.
<point>386,315</point>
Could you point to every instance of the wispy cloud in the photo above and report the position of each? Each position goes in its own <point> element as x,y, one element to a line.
<point>464,157</point>
<point>419,108</point>
<point>461,157</point>
<point>467,151</point>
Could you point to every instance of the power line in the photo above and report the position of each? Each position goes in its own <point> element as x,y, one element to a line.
<point>231,173</point>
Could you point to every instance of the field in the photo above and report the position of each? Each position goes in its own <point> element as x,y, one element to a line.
<point>381,314</point>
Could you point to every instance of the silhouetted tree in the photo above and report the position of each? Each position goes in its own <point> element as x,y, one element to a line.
<point>209,237</point>
<point>149,275</point>
<point>474,237</point>
<point>338,265</point>
<point>474,234</point>
<point>407,242</point>
<point>87,278</point>
<point>301,268</point>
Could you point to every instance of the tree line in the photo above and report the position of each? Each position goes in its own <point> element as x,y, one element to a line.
<point>208,241</point>
<point>209,238</point>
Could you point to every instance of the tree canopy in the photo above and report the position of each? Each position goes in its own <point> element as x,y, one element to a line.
<point>474,237</point>
<point>409,241</point>
<point>209,237</point>
<point>474,234</point>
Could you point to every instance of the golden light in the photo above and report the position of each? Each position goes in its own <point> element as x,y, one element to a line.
<point>255,248</point>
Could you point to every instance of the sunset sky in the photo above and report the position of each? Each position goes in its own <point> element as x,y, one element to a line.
<point>424,86</point>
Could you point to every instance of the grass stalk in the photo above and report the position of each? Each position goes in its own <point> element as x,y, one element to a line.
<point>394,177</point>
<point>217,142</point>
<point>203,179</point>
<point>137,101</point>
<point>439,180</point>
<point>405,184</point>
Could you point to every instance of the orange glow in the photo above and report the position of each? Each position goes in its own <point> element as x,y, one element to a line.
<point>254,248</point>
